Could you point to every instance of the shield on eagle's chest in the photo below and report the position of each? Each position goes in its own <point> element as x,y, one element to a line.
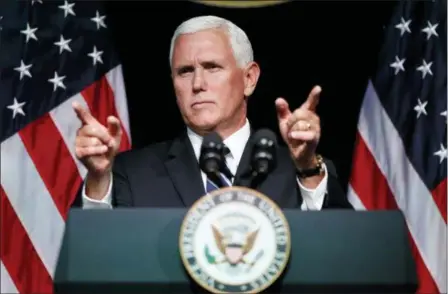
<point>234,254</point>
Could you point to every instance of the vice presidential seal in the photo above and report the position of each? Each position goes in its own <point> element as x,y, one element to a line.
<point>234,240</point>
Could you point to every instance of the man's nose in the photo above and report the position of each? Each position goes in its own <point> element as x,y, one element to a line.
<point>199,83</point>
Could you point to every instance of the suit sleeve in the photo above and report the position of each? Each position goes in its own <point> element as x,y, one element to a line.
<point>121,189</point>
<point>119,192</point>
<point>335,196</point>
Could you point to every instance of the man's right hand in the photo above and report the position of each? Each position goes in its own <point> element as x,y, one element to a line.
<point>96,147</point>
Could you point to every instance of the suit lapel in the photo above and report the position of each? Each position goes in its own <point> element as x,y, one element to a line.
<point>275,185</point>
<point>243,169</point>
<point>184,171</point>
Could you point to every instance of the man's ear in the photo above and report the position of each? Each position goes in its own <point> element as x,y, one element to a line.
<point>251,75</point>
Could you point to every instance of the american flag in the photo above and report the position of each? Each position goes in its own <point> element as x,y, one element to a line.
<point>52,54</point>
<point>400,157</point>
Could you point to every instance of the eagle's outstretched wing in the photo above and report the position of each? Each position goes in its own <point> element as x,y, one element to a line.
<point>250,241</point>
<point>218,239</point>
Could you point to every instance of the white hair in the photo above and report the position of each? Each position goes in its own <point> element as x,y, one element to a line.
<point>241,46</point>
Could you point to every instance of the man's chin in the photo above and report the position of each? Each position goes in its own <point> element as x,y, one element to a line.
<point>204,126</point>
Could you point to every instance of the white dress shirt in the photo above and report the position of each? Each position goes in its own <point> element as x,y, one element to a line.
<point>312,198</point>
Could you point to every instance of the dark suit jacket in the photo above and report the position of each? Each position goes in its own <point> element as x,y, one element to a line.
<point>167,174</point>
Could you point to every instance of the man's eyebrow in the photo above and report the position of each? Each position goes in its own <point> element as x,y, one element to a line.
<point>210,63</point>
<point>184,68</point>
<point>206,63</point>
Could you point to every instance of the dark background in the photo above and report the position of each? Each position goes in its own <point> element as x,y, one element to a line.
<point>297,44</point>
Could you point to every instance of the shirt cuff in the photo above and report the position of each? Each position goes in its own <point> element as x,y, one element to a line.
<point>105,203</point>
<point>313,199</point>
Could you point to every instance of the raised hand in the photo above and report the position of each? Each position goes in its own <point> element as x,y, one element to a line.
<point>300,129</point>
<point>96,147</point>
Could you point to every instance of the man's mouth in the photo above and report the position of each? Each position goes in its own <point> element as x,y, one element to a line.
<point>201,103</point>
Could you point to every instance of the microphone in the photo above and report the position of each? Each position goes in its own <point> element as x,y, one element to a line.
<point>212,157</point>
<point>263,158</point>
<point>264,153</point>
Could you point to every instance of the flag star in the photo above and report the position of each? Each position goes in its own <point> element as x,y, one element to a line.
<point>441,153</point>
<point>23,69</point>
<point>17,108</point>
<point>430,30</point>
<point>63,44</point>
<point>420,108</point>
<point>34,1</point>
<point>57,81</point>
<point>425,68</point>
<point>403,26</point>
<point>29,32</point>
<point>398,64</point>
<point>99,20</point>
<point>68,8</point>
<point>96,55</point>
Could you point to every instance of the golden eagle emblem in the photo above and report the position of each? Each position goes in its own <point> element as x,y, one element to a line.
<point>234,246</point>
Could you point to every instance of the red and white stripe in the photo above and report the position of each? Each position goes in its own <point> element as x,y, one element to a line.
<point>40,177</point>
<point>383,178</point>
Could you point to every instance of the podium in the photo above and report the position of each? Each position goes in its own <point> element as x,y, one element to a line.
<point>136,250</point>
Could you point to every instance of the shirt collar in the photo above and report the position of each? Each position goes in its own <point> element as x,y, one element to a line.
<point>235,142</point>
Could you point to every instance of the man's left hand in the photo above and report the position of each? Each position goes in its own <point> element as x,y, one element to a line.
<point>300,129</point>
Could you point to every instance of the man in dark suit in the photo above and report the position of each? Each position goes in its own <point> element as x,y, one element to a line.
<point>213,74</point>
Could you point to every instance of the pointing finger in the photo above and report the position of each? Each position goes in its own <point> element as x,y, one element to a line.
<point>90,150</point>
<point>97,131</point>
<point>300,114</point>
<point>113,125</point>
<point>83,114</point>
<point>303,136</point>
<point>114,128</point>
<point>87,141</point>
<point>282,108</point>
<point>313,99</point>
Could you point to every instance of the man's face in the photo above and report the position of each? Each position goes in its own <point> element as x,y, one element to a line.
<point>209,85</point>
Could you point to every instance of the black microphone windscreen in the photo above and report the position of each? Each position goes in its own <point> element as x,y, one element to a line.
<point>211,158</point>
<point>212,139</point>
<point>265,137</point>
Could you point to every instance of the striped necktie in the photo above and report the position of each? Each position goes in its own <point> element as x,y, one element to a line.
<point>224,176</point>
